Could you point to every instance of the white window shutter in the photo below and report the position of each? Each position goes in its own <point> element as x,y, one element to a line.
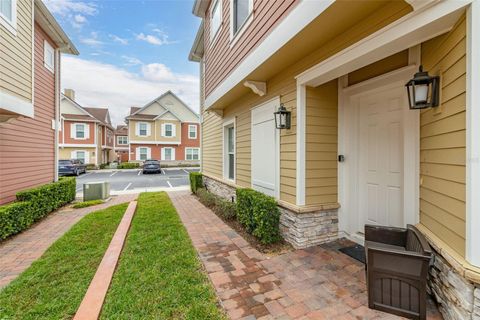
<point>149,153</point>
<point>73,155</point>
<point>72,130</point>
<point>87,131</point>
<point>173,152</point>
<point>137,129</point>
<point>137,153</point>
<point>163,152</point>
<point>87,157</point>
<point>163,130</point>
<point>174,129</point>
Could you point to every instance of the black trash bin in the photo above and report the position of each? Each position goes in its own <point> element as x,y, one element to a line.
<point>397,267</point>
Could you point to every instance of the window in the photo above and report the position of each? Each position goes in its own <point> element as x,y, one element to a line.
<point>215,19</point>
<point>80,155</point>
<point>192,131</point>
<point>122,140</point>
<point>80,131</point>
<point>229,152</point>
<point>168,154</point>
<point>48,56</point>
<point>168,130</point>
<point>241,12</point>
<point>192,154</point>
<point>8,14</point>
<point>143,129</point>
<point>143,154</point>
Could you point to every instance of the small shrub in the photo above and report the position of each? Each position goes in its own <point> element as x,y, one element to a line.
<point>34,204</point>
<point>91,167</point>
<point>103,166</point>
<point>245,198</point>
<point>87,204</point>
<point>226,209</point>
<point>196,181</point>
<point>259,214</point>
<point>128,165</point>
<point>206,198</point>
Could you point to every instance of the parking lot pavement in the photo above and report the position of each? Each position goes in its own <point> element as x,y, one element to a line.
<point>132,181</point>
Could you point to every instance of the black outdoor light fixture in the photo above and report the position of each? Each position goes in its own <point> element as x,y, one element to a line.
<point>282,118</point>
<point>423,90</point>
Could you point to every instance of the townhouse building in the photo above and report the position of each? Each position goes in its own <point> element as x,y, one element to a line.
<point>164,129</point>
<point>86,133</point>
<point>121,143</point>
<point>307,101</point>
<point>31,44</point>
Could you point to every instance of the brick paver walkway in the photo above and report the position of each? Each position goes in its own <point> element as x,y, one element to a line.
<point>18,253</point>
<point>315,283</point>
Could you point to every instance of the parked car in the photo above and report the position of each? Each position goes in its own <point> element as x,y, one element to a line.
<point>71,167</point>
<point>150,166</point>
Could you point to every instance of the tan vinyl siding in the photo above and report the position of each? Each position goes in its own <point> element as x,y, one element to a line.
<point>212,141</point>
<point>132,131</point>
<point>16,54</point>
<point>442,144</point>
<point>321,144</point>
<point>158,131</point>
<point>243,137</point>
<point>288,149</point>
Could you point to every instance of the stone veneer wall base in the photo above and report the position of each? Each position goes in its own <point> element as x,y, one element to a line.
<point>301,230</point>
<point>458,298</point>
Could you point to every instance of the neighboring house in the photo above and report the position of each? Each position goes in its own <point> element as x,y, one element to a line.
<point>86,133</point>
<point>355,153</point>
<point>121,143</point>
<point>31,43</point>
<point>165,129</point>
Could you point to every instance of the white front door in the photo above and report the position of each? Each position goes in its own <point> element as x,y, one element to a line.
<point>381,153</point>
<point>265,149</point>
<point>379,136</point>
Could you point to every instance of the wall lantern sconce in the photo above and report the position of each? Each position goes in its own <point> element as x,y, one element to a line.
<point>282,118</point>
<point>423,90</point>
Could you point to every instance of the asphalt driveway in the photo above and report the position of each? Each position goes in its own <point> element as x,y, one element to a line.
<point>128,181</point>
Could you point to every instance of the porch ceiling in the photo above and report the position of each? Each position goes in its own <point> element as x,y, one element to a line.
<point>340,18</point>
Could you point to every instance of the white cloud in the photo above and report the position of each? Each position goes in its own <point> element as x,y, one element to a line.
<point>118,39</point>
<point>72,11</point>
<point>64,7</point>
<point>100,84</point>
<point>161,38</point>
<point>131,61</point>
<point>92,40</point>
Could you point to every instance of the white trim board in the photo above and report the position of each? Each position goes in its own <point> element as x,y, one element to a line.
<point>300,16</point>
<point>74,145</point>
<point>473,131</point>
<point>15,104</point>
<point>155,142</point>
<point>409,31</point>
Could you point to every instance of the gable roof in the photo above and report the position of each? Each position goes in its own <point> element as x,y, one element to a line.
<point>137,111</point>
<point>121,129</point>
<point>101,114</point>
<point>85,114</point>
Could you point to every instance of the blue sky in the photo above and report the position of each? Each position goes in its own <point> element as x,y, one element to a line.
<point>131,51</point>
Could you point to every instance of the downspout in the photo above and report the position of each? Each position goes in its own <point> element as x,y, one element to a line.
<point>57,108</point>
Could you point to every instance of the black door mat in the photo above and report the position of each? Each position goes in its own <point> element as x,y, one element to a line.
<point>357,252</point>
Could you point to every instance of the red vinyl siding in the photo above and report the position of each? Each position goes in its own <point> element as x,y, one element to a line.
<point>27,145</point>
<point>221,58</point>
<point>67,126</point>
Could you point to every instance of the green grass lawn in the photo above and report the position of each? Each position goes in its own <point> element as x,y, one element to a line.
<point>54,285</point>
<point>159,275</point>
<point>85,204</point>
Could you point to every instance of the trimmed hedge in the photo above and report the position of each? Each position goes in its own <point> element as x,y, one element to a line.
<point>128,165</point>
<point>259,214</point>
<point>34,204</point>
<point>222,207</point>
<point>196,181</point>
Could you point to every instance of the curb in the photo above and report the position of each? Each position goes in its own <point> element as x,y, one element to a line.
<point>92,302</point>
